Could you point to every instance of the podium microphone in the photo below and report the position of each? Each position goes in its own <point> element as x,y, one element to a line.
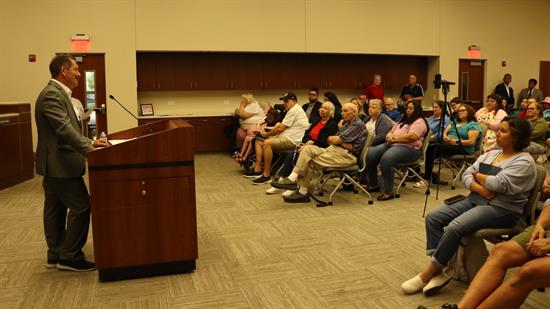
<point>129,112</point>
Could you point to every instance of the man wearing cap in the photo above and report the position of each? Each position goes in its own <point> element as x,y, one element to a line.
<point>343,150</point>
<point>531,92</point>
<point>286,135</point>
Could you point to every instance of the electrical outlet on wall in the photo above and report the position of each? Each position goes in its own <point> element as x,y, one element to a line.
<point>171,103</point>
<point>225,102</point>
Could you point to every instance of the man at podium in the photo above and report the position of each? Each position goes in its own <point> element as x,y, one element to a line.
<point>60,159</point>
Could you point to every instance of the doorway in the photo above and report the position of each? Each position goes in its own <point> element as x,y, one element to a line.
<point>544,78</point>
<point>471,81</point>
<point>91,92</point>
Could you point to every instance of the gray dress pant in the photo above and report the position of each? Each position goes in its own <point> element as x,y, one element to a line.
<point>66,234</point>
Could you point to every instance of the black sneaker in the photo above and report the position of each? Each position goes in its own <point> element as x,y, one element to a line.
<point>261,180</point>
<point>252,174</point>
<point>80,265</point>
<point>52,263</point>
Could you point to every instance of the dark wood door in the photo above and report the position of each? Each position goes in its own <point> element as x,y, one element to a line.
<point>471,78</point>
<point>544,78</point>
<point>91,91</point>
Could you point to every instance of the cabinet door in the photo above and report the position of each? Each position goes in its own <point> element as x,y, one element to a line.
<point>275,72</point>
<point>146,71</point>
<point>245,71</point>
<point>165,71</point>
<point>211,71</point>
<point>184,71</point>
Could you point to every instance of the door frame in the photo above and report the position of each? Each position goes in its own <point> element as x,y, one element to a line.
<point>484,88</point>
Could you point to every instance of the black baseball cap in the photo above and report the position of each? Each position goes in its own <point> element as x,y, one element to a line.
<point>289,96</point>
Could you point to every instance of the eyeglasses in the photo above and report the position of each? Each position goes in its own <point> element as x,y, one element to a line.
<point>462,110</point>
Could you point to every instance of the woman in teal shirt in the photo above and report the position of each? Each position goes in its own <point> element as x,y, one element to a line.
<point>468,130</point>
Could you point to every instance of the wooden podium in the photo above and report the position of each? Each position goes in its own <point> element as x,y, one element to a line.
<point>143,202</point>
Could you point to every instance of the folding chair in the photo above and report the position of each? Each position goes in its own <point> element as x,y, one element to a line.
<point>459,163</point>
<point>344,175</point>
<point>403,170</point>
<point>497,235</point>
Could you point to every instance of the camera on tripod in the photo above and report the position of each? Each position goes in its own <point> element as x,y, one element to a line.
<point>438,83</point>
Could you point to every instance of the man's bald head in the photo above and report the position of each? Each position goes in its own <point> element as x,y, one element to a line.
<point>349,111</point>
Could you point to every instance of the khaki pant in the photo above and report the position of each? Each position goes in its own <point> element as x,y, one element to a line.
<point>333,156</point>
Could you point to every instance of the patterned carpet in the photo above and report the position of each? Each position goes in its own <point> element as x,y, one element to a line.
<point>255,251</point>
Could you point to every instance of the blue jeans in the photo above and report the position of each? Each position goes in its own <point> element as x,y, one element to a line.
<point>447,224</point>
<point>387,157</point>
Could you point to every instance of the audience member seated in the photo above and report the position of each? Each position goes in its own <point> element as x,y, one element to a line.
<point>538,128</point>
<point>331,96</point>
<point>530,251</point>
<point>362,114</point>
<point>403,145</point>
<point>389,109</point>
<point>316,135</point>
<point>546,106</point>
<point>250,113</point>
<point>365,103</point>
<point>434,121</point>
<point>343,150</point>
<point>378,125</point>
<point>454,106</point>
<point>376,90</point>
<point>284,136</point>
<point>414,90</point>
<point>522,112</point>
<point>499,182</point>
<point>312,107</point>
<point>272,117</point>
<point>489,118</point>
<point>466,128</point>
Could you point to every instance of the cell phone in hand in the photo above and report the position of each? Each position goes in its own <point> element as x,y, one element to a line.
<point>454,199</point>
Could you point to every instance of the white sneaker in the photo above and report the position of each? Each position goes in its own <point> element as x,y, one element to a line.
<point>272,190</point>
<point>436,284</point>
<point>288,192</point>
<point>413,285</point>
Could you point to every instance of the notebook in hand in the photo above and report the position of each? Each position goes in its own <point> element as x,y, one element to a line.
<point>487,169</point>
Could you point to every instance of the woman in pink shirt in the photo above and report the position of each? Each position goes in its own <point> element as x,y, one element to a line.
<point>403,145</point>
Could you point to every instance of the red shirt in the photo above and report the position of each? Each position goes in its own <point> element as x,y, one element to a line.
<point>314,133</point>
<point>523,114</point>
<point>374,92</point>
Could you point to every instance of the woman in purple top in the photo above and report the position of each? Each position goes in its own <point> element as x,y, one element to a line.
<point>403,145</point>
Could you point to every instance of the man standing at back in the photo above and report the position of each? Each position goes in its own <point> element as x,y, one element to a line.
<point>60,159</point>
<point>413,89</point>
<point>506,92</point>
<point>531,92</point>
<point>312,107</point>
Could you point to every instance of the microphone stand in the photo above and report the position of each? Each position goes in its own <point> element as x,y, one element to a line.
<point>129,112</point>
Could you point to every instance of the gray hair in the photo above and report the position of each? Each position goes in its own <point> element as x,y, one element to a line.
<point>331,108</point>
<point>376,103</point>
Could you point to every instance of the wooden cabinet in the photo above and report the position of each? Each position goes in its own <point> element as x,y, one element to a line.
<point>16,155</point>
<point>250,71</point>
<point>209,132</point>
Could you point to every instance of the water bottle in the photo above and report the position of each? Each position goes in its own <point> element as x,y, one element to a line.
<point>102,135</point>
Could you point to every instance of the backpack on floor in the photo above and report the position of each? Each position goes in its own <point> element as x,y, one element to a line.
<point>470,256</point>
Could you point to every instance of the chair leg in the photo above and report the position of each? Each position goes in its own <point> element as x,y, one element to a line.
<point>405,175</point>
<point>358,185</point>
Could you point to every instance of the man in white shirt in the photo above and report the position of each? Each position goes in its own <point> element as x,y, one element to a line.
<point>286,135</point>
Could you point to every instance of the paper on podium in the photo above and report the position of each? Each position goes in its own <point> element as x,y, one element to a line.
<point>118,141</point>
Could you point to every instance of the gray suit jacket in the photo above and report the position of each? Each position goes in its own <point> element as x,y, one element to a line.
<point>61,145</point>
<point>536,93</point>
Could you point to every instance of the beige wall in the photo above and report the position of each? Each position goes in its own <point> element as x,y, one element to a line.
<point>120,27</point>
<point>45,27</point>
